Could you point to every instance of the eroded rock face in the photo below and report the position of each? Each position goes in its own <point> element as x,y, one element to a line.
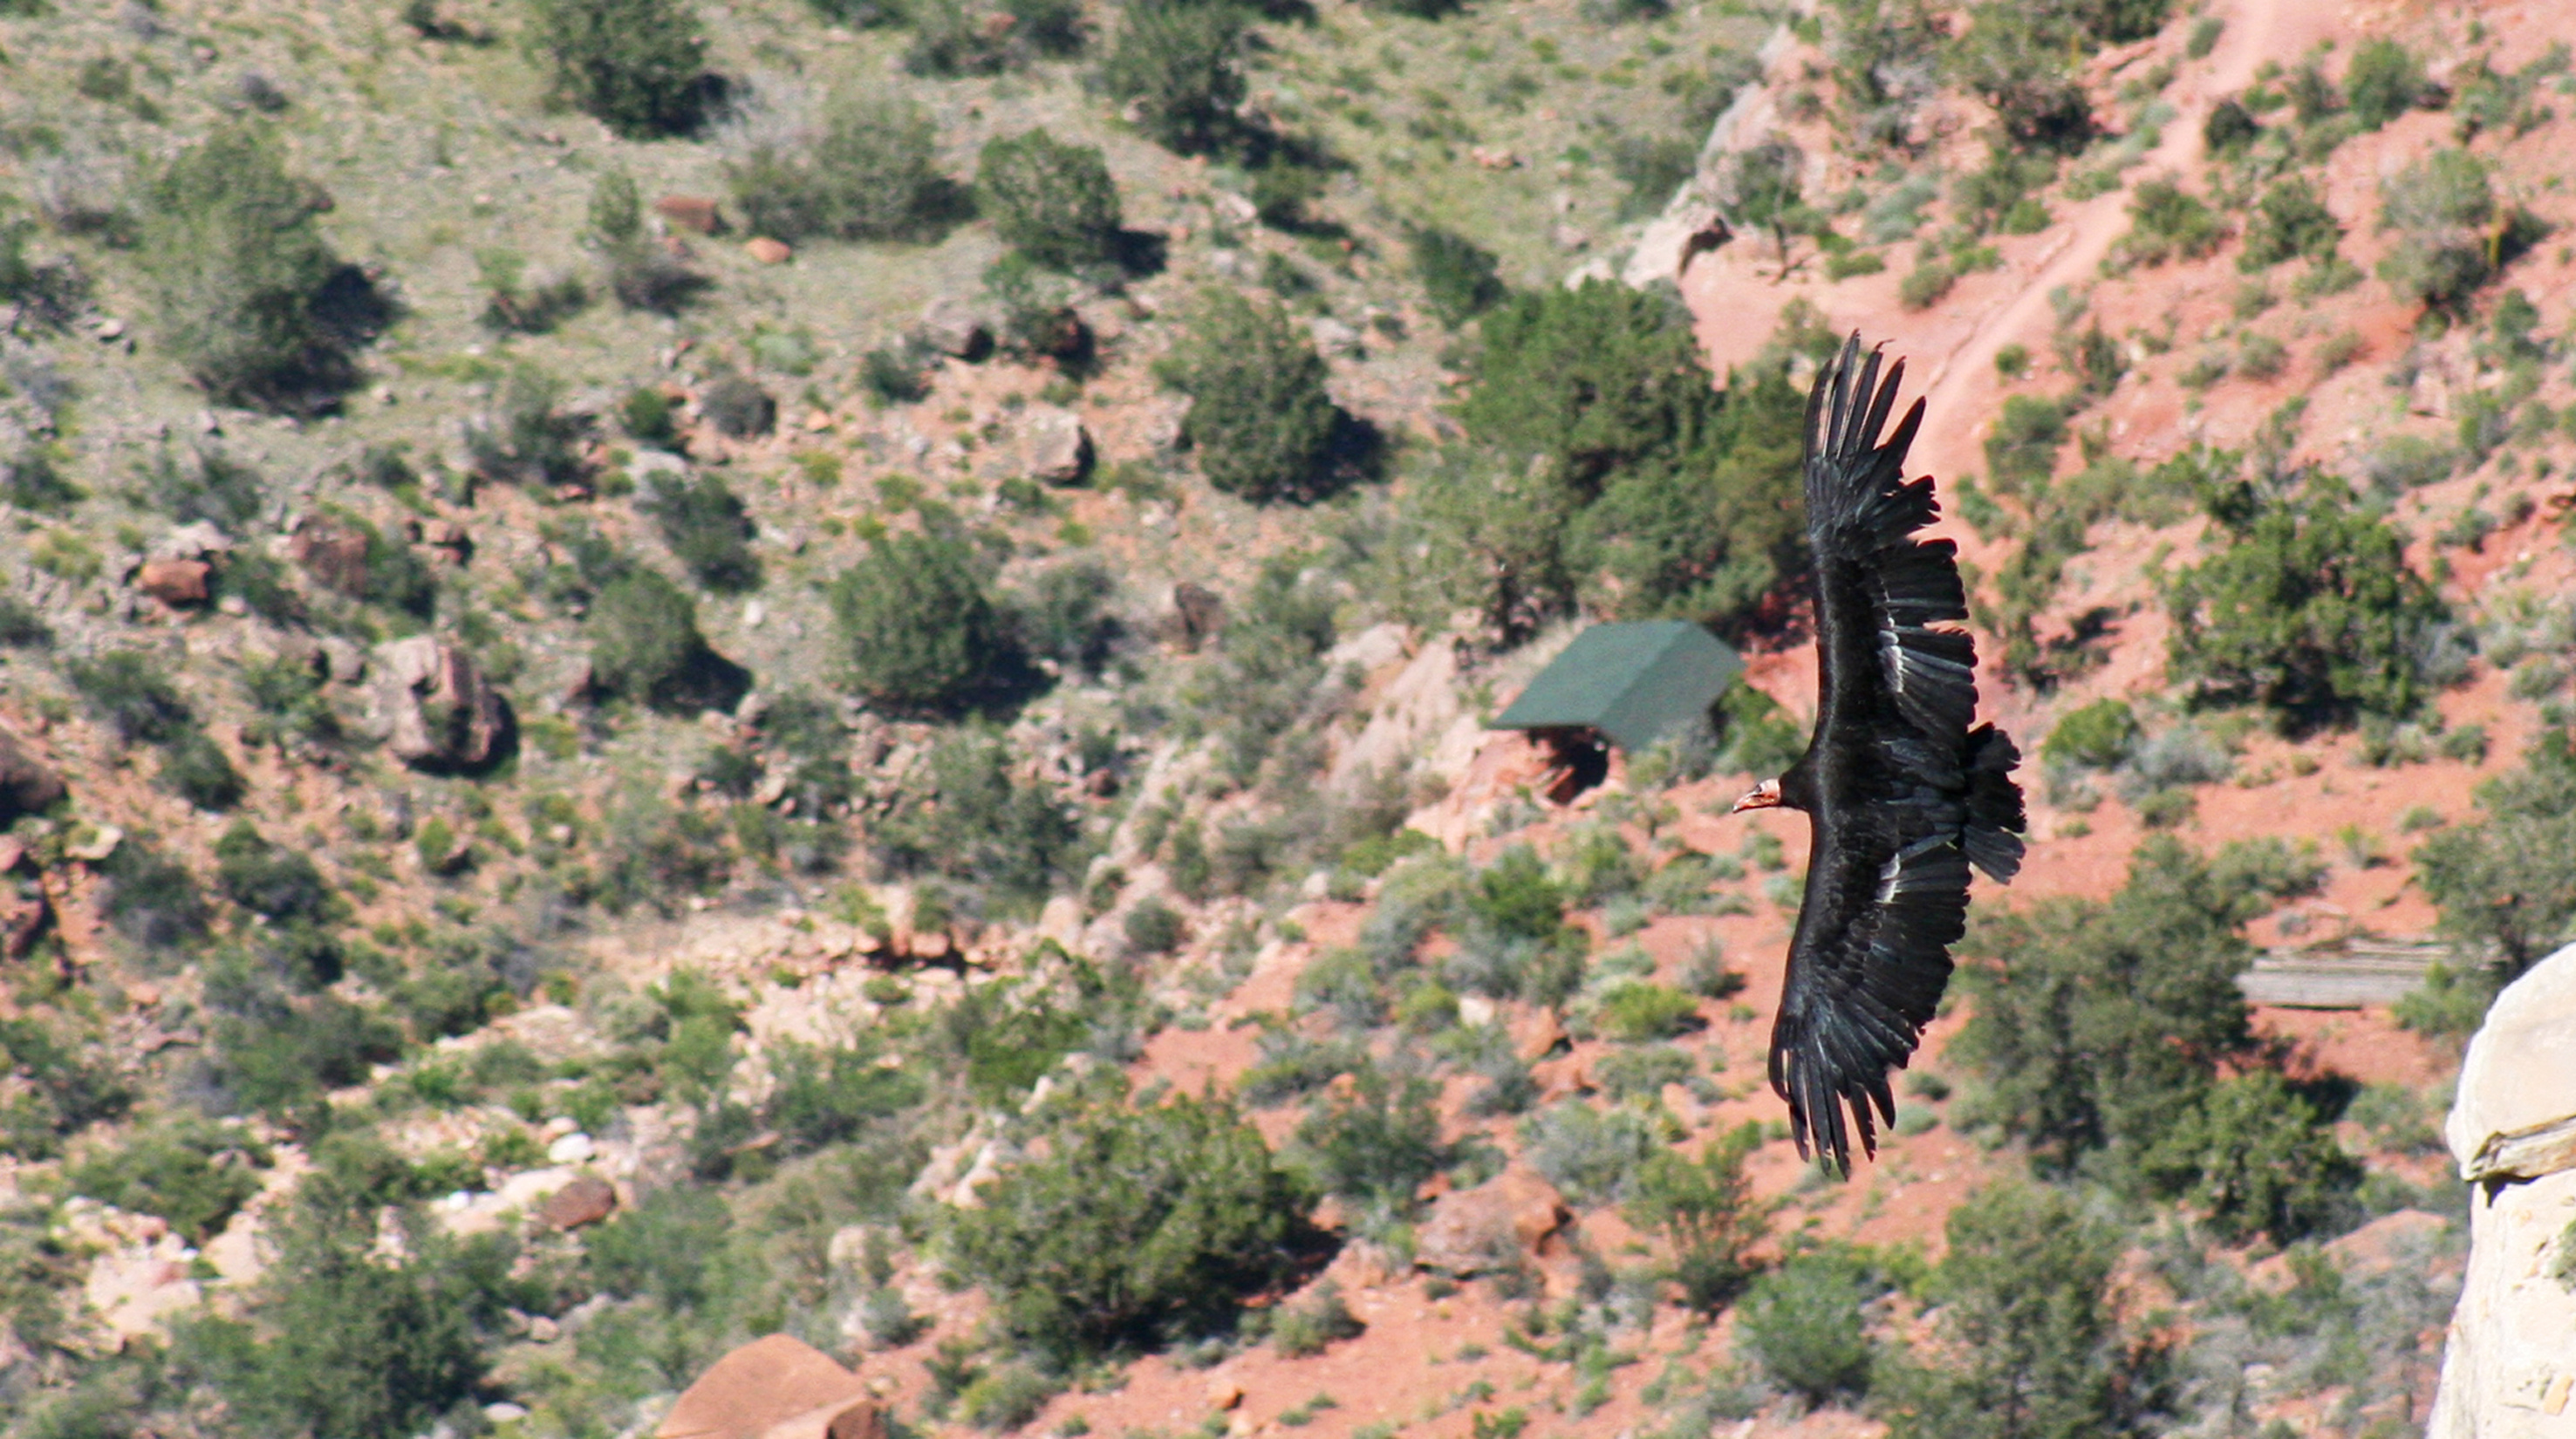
<point>1489,1228</point>
<point>435,709</point>
<point>2509,1364</point>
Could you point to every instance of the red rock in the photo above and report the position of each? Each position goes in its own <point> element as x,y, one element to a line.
<point>587,1200</point>
<point>693,212</point>
<point>768,251</point>
<point>27,784</point>
<point>1477,1231</point>
<point>24,915</point>
<point>767,1385</point>
<point>176,583</point>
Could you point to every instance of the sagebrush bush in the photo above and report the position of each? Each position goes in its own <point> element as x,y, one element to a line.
<point>2503,879</point>
<point>523,438</point>
<point>1261,420</point>
<point>2291,222</point>
<point>865,168</point>
<point>240,273</point>
<point>919,622</point>
<point>1592,1156</point>
<point>2384,82</point>
<point>738,407</point>
<point>2442,207</point>
<point>968,815</point>
<point>1803,1324</point>
<point>1054,202</point>
<point>1705,1212</point>
<point>636,66</point>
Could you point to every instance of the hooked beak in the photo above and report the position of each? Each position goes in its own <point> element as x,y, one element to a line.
<point>1765,795</point>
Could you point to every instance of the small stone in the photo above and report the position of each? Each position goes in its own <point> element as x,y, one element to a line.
<point>768,251</point>
<point>542,1330</point>
<point>1223,1393</point>
<point>101,842</point>
<point>110,328</point>
<point>572,1148</point>
<point>1059,448</point>
<point>504,1412</point>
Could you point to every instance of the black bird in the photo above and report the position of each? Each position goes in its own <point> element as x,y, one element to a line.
<point>1902,797</point>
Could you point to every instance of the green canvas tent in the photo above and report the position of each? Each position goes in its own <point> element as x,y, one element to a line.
<point>1632,684</point>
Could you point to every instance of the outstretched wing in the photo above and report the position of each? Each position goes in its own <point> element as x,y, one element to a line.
<point>1902,795</point>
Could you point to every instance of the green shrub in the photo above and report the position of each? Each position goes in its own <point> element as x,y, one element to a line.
<point>1139,1224</point>
<point>968,815</point>
<point>2308,609</point>
<point>2028,1342</point>
<point>276,883</point>
<point>1595,379</point>
<point>60,1086</point>
<point>645,647</point>
<point>2098,736</point>
<point>1054,202</point>
<point>1179,66</point>
<point>1375,1143</point>
<point>2021,453</point>
<point>1458,276</point>
<point>240,274</point>
<point>513,310</point>
<point>1706,1214</point>
<point>870,172</point>
<point>2291,221</point>
<point>737,406</point>
<point>197,770</point>
<point>33,480</point>
<point>2450,1003</point>
<point>2230,130</point>
<point>151,899</point>
<point>1802,1323</point>
<point>192,1174</point>
<point>2106,1021</point>
<point>523,438</point>
<point>636,66</point>
<point>2256,1157</point>
<point>2442,207</point>
<point>2504,878</point>
<point>2168,222</point>
<point>1153,927</point>
<point>2384,82</point>
<point>707,528</point>
<point>830,1096</point>
<point>1064,615</point>
<point>1260,418</point>
<point>920,623</point>
<point>132,695</point>
<point>1636,1012</point>
<point>2019,59</point>
<point>648,416</point>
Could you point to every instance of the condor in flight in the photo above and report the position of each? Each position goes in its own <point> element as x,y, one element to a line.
<point>1900,794</point>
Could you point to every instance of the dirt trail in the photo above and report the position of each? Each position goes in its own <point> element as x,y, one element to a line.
<point>1962,388</point>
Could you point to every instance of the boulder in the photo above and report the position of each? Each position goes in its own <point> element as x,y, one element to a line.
<point>768,251</point>
<point>2508,1371</point>
<point>1488,1228</point>
<point>587,1200</point>
<point>27,784</point>
<point>435,708</point>
<point>774,1388</point>
<point>1057,447</point>
<point>180,584</point>
<point>691,212</point>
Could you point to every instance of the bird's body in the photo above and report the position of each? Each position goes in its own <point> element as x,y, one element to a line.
<point>1902,795</point>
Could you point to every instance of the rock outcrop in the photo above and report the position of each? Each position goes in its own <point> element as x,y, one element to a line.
<point>2509,1365</point>
<point>435,708</point>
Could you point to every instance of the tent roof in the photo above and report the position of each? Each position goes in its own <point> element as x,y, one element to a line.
<point>1635,683</point>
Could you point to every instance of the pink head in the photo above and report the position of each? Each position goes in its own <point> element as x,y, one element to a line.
<point>1765,795</point>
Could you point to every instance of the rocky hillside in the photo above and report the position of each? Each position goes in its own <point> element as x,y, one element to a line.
<point>677,672</point>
